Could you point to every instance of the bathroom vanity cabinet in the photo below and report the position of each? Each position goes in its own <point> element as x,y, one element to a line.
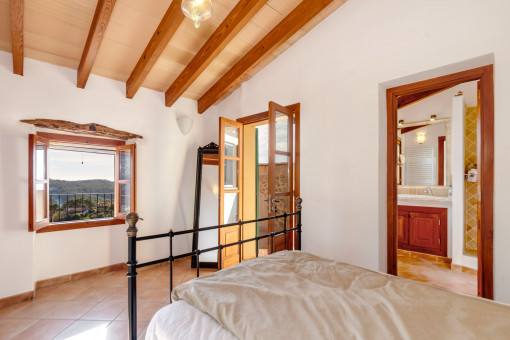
<point>423,229</point>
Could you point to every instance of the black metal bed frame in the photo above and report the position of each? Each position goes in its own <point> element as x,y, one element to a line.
<point>132,263</point>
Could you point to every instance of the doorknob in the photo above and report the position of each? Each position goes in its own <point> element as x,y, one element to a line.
<point>275,201</point>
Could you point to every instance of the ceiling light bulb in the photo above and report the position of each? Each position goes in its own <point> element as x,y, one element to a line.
<point>197,10</point>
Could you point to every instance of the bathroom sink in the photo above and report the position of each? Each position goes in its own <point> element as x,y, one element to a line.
<point>423,197</point>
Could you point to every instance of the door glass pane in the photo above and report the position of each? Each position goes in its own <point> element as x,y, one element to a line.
<point>231,173</point>
<point>231,141</point>
<point>282,206</point>
<point>40,161</point>
<point>231,207</point>
<point>125,165</point>
<point>40,201</point>
<point>281,176</point>
<point>125,198</point>
<point>282,132</point>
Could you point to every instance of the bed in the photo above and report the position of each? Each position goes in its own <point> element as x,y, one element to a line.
<point>296,295</point>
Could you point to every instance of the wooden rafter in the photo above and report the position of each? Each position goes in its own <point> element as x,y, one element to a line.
<point>244,11</point>
<point>292,23</point>
<point>17,36</point>
<point>82,129</point>
<point>160,39</point>
<point>415,97</point>
<point>97,30</point>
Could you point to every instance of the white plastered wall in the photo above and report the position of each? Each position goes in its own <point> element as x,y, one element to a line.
<point>166,161</point>
<point>340,72</point>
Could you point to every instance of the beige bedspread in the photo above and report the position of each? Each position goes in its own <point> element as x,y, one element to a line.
<point>294,295</point>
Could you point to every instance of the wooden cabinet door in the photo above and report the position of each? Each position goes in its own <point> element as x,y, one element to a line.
<point>403,229</point>
<point>424,230</point>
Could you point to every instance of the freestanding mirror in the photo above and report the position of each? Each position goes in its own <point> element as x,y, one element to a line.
<point>206,155</point>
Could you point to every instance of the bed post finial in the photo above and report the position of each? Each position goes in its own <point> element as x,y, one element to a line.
<point>131,219</point>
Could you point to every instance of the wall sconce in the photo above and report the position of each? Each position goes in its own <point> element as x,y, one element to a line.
<point>185,123</point>
<point>401,122</point>
<point>433,118</point>
<point>420,138</point>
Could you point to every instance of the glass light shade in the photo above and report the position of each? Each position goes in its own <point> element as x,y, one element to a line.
<point>420,138</point>
<point>197,10</point>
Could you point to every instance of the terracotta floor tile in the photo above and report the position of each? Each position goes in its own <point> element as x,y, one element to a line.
<point>44,329</point>
<point>86,282</point>
<point>85,330</point>
<point>62,293</point>
<point>96,293</point>
<point>110,281</point>
<point>154,295</point>
<point>438,274</point>
<point>105,310</point>
<point>37,310</point>
<point>118,330</point>
<point>145,311</point>
<point>96,300</point>
<point>70,310</point>
<point>11,327</point>
<point>119,294</point>
<point>9,310</point>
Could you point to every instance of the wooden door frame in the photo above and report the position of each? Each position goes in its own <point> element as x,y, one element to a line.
<point>296,108</point>
<point>486,167</point>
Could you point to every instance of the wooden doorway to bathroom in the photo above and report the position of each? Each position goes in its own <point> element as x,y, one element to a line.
<point>485,163</point>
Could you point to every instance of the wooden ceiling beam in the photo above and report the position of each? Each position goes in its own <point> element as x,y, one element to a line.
<point>160,39</point>
<point>97,30</point>
<point>242,13</point>
<point>17,14</point>
<point>292,23</point>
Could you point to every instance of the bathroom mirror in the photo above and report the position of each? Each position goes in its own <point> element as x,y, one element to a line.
<point>423,154</point>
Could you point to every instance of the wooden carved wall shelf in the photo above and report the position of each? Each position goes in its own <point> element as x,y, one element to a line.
<point>82,129</point>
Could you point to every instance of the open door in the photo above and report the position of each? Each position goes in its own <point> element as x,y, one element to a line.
<point>281,171</point>
<point>230,188</point>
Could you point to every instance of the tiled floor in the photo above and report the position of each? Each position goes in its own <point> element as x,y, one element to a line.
<point>91,308</point>
<point>437,273</point>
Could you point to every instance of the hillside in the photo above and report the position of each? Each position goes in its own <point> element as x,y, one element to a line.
<point>101,186</point>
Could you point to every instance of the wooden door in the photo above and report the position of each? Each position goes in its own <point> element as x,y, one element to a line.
<point>230,188</point>
<point>424,231</point>
<point>281,171</point>
<point>403,229</point>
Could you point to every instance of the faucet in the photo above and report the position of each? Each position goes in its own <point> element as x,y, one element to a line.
<point>429,191</point>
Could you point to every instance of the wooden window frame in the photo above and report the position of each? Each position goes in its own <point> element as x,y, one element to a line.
<point>118,219</point>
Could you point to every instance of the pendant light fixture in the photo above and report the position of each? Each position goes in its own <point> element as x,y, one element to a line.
<point>197,10</point>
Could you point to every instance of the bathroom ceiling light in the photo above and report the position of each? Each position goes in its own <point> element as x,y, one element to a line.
<point>401,122</point>
<point>420,138</point>
<point>433,117</point>
<point>197,10</point>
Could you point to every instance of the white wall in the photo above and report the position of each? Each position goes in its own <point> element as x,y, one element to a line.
<point>339,72</point>
<point>165,172</point>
